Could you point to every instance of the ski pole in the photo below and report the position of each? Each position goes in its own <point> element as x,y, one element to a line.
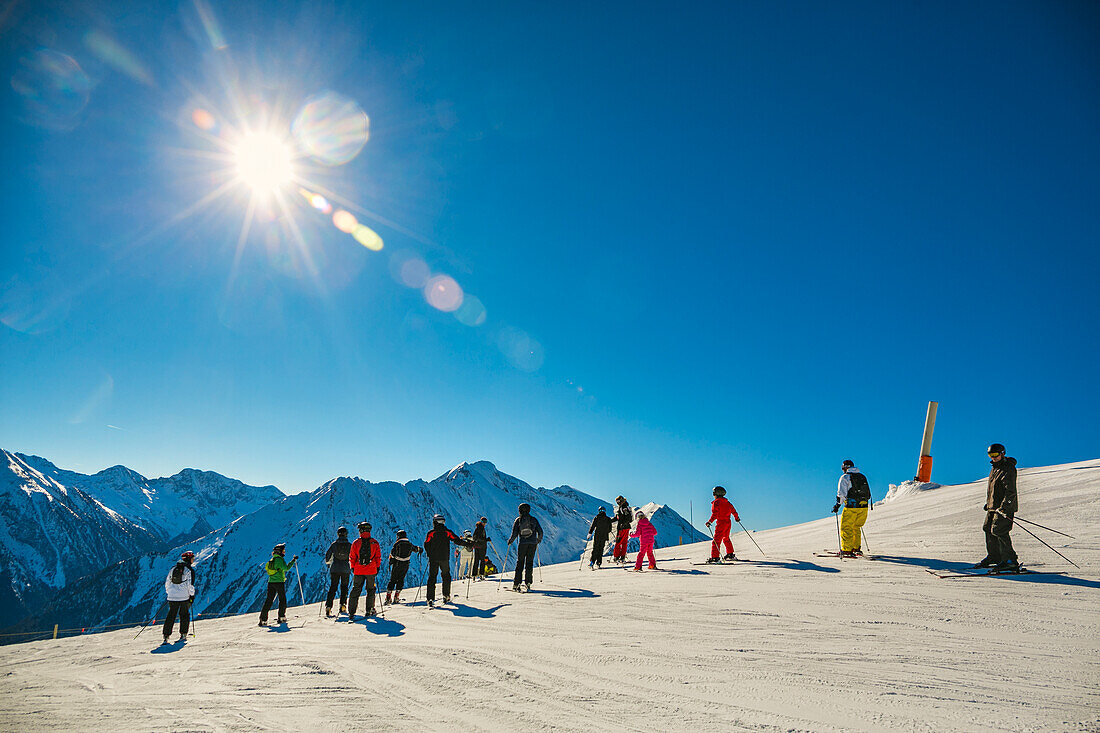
<point>301,593</point>
<point>539,561</point>
<point>190,604</point>
<point>151,620</point>
<point>865,542</point>
<point>751,538</point>
<point>1036,524</point>
<point>420,569</point>
<point>839,544</point>
<point>584,552</point>
<point>1071,562</point>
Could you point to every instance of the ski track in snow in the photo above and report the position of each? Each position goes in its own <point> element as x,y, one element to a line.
<point>793,642</point>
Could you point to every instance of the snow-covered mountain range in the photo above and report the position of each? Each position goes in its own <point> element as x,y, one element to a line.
<point>229,559</point>
<point>57,526</point>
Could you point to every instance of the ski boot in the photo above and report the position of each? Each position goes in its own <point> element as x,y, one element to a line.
<point>847,553</point>
<point>447,599</point>
<point>857,552</point>
<point>985,563</point>
<point>389,599</point>
<point>516,588</point>
<point>713,561</point>
<point>1007,566</point>
<point>182,638</point>
<point>591,566</point>
<point>397,597</point>
<point>729,557</point>
<point>526,587</point>
<point>328,611</point>
<point>431,604</point>
<point>167,641</point>
<point>282,620</point>
<point>263,622</point>
<point>343,608</point>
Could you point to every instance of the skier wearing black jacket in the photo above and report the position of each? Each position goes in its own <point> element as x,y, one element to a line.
<point>437,545</point>
<point>599,531</point>
<point>481,542</point>
<point>624,517</point>
<point>399,565</point>
<point>529,532</point>
<point>1001,503</point>
<point>338,559</point>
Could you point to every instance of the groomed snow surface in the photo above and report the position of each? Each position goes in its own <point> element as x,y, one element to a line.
<point>788,642</point>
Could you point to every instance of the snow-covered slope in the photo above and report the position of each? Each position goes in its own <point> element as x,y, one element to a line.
<point>789,642</point>
<point>228,560</point>
<point>176,508</point>
<point>52,534</point>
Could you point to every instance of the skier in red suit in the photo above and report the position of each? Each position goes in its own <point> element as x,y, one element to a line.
<point>720,512</point>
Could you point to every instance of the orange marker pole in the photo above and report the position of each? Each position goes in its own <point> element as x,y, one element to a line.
<point>924,466</point>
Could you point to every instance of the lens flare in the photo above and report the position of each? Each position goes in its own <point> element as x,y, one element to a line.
<point>414,273</point>
<point>443,293</point>
<point>331,128</point>
<point>472,312</point>
<point>522,351</point>
<point>368,238</point>
<point>203,119</point>
<point>52,90</point>
<point>263,162</point>
<point>345,221</point>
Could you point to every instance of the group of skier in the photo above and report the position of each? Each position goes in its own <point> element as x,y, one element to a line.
<point>359,561</point>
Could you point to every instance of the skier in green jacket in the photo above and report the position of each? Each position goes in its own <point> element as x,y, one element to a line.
<point>277,568</point>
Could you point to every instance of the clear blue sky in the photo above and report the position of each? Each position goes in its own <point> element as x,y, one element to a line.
<point>717,243</point>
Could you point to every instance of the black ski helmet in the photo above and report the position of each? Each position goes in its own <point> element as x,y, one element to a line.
<point>847,464</point>
<point>524,508</point>
<point>363,527</point>
<point>342,531</point>
<point>439,519</point>
<point>719,491</point>
<point>995,449</point>
<point>279,549</point>
<point>401,534</point>
<point>484,520</point>
<point>620,499</point>
<point>602,510</point>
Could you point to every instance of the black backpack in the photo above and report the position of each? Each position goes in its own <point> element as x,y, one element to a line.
<point>364,551</point>
<point>526,526</point>
<point>860,491</point>
<point>177,573</point>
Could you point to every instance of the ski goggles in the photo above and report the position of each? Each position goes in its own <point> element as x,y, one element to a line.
<point>994,454</point>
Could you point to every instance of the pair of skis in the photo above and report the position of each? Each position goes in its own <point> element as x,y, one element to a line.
<point>985,573</point>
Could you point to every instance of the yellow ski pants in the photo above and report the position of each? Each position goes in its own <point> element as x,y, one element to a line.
<point>851,522</point>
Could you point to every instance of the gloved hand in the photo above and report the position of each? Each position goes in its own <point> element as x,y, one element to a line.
<point>836,507</point>
<point>708,525</point>
<point>294,558</point>
<point>736,518</point>
<point>588,538</point>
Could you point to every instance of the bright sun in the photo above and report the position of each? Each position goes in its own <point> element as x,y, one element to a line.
<point>263,162</point>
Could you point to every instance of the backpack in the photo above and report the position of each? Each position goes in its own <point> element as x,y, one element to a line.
<point>526,526</point>
<point>860,490</point>
<point>364,559</point>
<point>177,573</point>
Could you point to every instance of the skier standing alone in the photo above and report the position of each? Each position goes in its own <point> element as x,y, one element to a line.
<point>180,592</point>
<point>720,512</point>
<point>276,568</point>
<point>1001,503</point>
<point>646,534</point>
<point>529,532</point>
<point>599,531</point>
<point>365,558</point>
<point>338,558</point>
<point>400,555</point>
<point>624,516</point>
<point>437,545</point>
<point>854,493</point>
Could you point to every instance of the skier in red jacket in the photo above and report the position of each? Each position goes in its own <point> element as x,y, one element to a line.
<point>366,558</point>
<point>720,511</point>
